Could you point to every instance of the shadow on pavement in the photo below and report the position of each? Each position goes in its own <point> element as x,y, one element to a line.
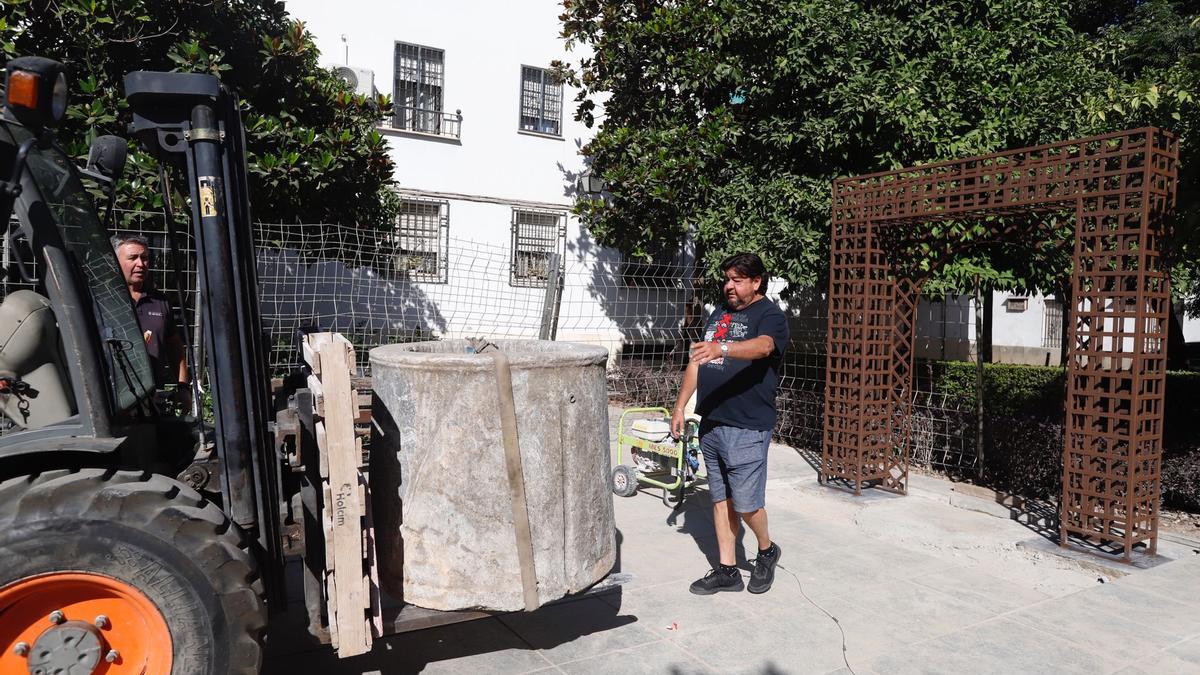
<point>502,643</point>
<point>695,519</point>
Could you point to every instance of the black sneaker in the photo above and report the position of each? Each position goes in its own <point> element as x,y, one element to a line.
<point>764,570</point>
<point>718,579</point>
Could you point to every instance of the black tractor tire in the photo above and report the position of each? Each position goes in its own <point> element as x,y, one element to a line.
<point>152,533</point>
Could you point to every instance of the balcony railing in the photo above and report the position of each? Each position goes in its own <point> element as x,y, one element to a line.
<point>434,122</point>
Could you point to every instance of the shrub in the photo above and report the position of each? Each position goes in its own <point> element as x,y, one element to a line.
<point>1181,480</point>
<point>1023,421</point>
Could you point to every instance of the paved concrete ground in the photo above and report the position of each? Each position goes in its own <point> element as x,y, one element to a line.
<point>934,582</point>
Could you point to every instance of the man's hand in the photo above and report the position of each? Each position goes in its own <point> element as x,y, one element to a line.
<point>704,352</point>
<point>678,423</point>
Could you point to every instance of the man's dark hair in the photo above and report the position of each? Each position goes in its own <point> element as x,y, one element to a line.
<point>748,265</point>
<point>120,240</point>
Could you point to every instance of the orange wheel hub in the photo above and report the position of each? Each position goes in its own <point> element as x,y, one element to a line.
<point>49,615</point>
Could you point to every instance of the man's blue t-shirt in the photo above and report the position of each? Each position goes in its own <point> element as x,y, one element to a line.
<point>738,392</point>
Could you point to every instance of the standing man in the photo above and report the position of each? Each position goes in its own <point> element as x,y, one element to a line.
<point>736,372</point>
<point>163,344</point>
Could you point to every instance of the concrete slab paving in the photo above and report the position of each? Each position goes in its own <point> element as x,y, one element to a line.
<point>1182,657</point>
<point>932,582</point>
<point>983,590</point>
<point>1079,619</point>
<point>578,630</point>
<point>671,610</point>
<point>651,658</point>
<point>999,646</point>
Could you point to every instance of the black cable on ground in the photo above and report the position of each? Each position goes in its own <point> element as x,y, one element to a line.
<point>845,658</point>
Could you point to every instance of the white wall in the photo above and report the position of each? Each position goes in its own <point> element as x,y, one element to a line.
<point>1191,329</point>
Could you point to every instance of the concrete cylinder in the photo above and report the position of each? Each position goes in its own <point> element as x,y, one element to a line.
<point>442,499</point>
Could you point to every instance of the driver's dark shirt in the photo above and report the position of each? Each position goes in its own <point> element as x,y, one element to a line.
<point>157,323</point>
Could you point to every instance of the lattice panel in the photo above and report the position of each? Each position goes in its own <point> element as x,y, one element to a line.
<point>1122,189</point>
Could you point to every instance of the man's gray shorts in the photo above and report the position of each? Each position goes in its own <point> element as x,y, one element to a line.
<point>736,460</point>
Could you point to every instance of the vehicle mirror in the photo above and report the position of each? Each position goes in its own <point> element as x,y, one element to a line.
<point>107,156</point>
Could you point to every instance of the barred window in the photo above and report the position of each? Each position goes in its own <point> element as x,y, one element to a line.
<point>420,72</point>
<point>541,101</point>
<point>1053,324</point>
<point>422,240</point>
<point>537,236</point>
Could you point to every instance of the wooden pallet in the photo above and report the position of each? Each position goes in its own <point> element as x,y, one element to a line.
<point>351,575</point>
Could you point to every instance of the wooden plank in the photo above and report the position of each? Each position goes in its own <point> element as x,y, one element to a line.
<point>311,356</point>
<point>331,606</point>
<point>315,386</point>
<point>327,526</point>
<point>375,614</point>
<point>322,452</point>
<point>310,348</point>
<point>344,459</point>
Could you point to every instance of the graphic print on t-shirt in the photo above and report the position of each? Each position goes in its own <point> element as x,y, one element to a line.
<point>728,328</point>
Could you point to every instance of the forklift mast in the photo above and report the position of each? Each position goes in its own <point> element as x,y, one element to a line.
<point>190,121</point>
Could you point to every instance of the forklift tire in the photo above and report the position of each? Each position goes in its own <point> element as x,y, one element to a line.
<point>624,480</point>
<point>162,574</point>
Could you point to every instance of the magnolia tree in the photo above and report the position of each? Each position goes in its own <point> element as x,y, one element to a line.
<point>731,119</point>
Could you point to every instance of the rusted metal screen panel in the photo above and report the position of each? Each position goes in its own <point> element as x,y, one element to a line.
<point>1121,187</point>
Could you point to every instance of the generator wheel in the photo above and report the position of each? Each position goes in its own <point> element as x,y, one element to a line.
<point>624,480</point>
<point>124,572</point>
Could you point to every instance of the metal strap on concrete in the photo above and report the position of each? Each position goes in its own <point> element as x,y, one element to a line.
<point>516,478</point>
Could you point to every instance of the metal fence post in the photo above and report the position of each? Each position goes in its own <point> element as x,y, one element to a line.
<point>553,298</point>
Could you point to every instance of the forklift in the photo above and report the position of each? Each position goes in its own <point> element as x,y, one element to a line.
<point>134,540</point>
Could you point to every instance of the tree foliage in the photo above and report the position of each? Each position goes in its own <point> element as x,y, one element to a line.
<point>734,116</point>
<point>314,154</point>
<point>1154,54</point>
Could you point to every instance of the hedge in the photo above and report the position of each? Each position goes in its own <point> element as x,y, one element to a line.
<point>1023,421</point>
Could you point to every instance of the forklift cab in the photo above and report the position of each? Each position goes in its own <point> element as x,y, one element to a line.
<point>74,370</point>
<point>151,541</point>
<point>71,353</point>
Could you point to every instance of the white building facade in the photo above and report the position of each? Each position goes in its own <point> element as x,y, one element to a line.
<point>487,160</point>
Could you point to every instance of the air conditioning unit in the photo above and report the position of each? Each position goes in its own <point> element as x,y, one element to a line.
<point>362,80</point>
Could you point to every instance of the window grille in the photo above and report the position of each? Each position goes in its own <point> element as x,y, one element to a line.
<point>541,101</point>
<point>422,239</point>
<point>536,236</point>
<point>1052,324</point>
<point>420,79</point>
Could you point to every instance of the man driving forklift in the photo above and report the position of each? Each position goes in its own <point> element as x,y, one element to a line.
<point>155,318</point>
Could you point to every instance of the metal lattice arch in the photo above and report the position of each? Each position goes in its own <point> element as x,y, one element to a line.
<point>1121,187</point>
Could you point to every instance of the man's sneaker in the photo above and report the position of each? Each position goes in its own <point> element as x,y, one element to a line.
<point>764,570</point>
<point>718,579</point>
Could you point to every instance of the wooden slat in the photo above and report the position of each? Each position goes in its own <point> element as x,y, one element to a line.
<point>310,348</point>
<point>331,606</point>
<point>344,459</point>
<point>340,401</point>
<point>322,451</point>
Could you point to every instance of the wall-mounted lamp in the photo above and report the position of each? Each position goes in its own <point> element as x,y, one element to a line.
<point>592,183</point>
